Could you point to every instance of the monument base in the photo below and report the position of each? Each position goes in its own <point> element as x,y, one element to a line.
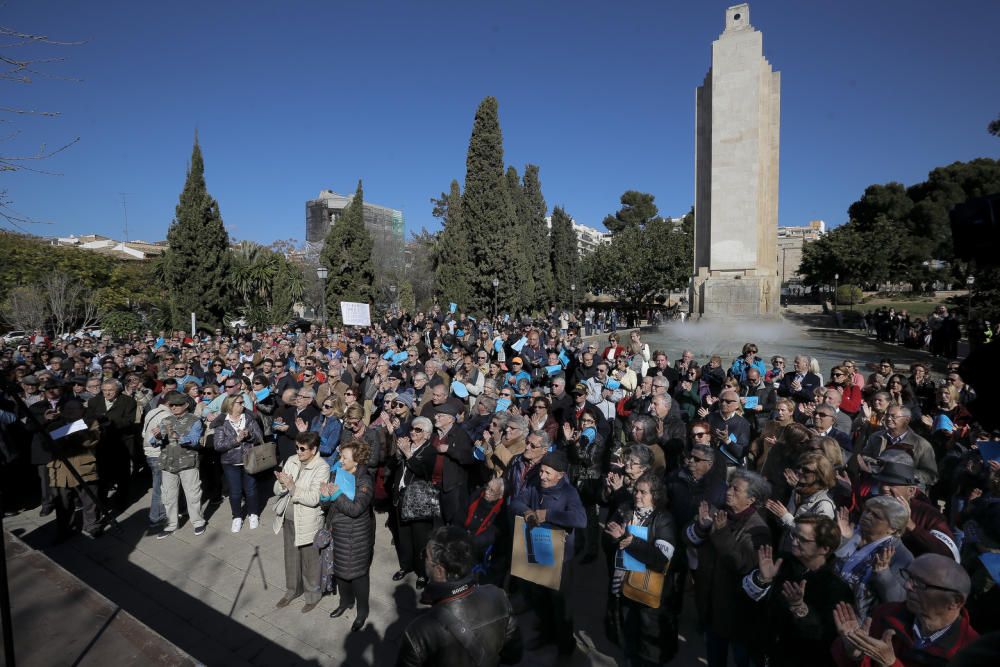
<point>735,296</point>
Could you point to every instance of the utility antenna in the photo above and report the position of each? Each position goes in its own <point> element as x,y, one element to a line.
<point>125,212</point>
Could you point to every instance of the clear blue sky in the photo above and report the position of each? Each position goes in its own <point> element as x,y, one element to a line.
<point>296,96</point>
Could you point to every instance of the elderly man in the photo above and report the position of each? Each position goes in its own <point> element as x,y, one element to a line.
<point>929,628</point>
<point>552,502</point>
<point>115,412</point>
<point>178,435</point>
<point>801,384</point>
<point>730,431</point>
<point>897,435</point>
<point>454,457</point>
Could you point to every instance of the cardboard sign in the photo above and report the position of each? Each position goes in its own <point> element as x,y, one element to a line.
<point>355,314</point>
<point>522,566</point>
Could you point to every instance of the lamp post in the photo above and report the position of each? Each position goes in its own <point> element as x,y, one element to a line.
<point>836,280</point>
<point>572,291</point>
<point>321,273</point>
<point>970,281</point>
<point>496,284</point>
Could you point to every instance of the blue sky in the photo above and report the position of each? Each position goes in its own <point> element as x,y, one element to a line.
<point>296,96</point>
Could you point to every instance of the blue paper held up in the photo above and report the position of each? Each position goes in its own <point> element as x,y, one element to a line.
<point>943,423</point>
<point>751,402</point>
<point>628,562</point>
<point>539,543</point>
<point>989,450</point>
<point>346,482</point>
<point>520,344</point>
<point>991,561</point>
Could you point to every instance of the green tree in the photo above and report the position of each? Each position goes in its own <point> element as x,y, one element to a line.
<point>347,254</point>
<point>637,210</point>
<point>564,256</point>
<point>488,212</point>
<point>536,237</point>
<point>196,266</point>
<point>455,271</point>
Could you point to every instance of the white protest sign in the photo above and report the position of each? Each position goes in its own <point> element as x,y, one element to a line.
<point>355,314</point>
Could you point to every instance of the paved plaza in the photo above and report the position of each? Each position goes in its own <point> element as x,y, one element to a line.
<point>213,596</point>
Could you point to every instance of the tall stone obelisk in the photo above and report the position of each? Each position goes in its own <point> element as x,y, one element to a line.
<point>736,177</point>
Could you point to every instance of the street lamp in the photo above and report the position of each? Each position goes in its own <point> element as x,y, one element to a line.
<point>496,284</point>
<point>970,281</point>
<point>572,291</point>
<point>836,279</point>
<point>321,273</point>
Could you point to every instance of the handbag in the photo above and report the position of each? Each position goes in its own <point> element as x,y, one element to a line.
<point>175,459</point>
<point>420,501</point>
<point>646,588</point>
<point>262,456</point>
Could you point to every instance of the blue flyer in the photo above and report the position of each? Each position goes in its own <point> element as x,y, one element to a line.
<point>991,561</point>
<point>345,481</point>
<point>539,543</point>
<point>989,450</point>
<point>629,563</point>
<point>751,403</point>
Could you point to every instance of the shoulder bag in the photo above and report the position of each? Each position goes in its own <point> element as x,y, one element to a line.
<point>420,501</point>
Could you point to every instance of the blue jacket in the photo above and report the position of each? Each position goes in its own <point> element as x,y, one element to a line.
<point>562,505</point>
<point>329,434</point>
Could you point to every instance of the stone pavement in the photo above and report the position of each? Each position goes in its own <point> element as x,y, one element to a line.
<point>213,596</point>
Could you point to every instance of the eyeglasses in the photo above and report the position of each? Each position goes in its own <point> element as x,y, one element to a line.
<point>920,585</point>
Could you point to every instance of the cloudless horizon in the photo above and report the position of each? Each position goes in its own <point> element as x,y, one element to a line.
<point>292,98</point>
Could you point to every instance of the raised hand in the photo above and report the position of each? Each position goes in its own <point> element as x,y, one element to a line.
<point>844,523</point>
<point>766,565</point>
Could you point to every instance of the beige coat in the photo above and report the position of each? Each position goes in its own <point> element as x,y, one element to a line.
<point>308,514</point>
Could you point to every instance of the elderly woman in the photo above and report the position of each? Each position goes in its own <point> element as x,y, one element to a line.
<point>236,432</point>
<point>726,541</point>
<point>648,636</point>
<point>413,460</point>
<point>870,558</point>
<point>352,524</point>
<point>300,516</point>
<point>813,477</point>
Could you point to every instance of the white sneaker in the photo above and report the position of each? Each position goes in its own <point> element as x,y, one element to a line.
<point>254,521</point>
<point>237,524</point>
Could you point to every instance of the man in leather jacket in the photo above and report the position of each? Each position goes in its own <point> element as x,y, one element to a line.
<point>467,624</point>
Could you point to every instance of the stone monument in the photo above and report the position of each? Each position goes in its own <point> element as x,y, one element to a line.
<point>736,178</point>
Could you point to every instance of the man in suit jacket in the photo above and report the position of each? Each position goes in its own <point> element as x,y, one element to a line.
<point>801,385</point>
<point>115,412</point>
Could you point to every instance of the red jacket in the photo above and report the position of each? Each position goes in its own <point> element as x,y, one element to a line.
<point>895,616</point>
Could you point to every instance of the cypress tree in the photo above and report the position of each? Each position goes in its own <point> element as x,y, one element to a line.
<point>455,271</point>
<point>564,255</point>
<point>536,233</point>
<point>488,212</point>
<point>196,266</point>
<point>518,249</point>
<point>347,255</point>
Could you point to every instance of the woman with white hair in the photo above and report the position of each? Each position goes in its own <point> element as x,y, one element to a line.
<point>871,556</point>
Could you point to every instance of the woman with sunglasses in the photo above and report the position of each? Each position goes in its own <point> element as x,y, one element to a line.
<point>235,436</point>
<point>413,459</point>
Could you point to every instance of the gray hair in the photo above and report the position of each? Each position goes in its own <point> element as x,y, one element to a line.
<point>542,435</point>
<point>758,488</point>
<point>896,513</point>
<point>424,423</point>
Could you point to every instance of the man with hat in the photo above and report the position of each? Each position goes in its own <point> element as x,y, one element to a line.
<point>454,457</point>
<point>927,530</point>
<point>551,501</point>
<point>179,436</point>
<point>928,628</point>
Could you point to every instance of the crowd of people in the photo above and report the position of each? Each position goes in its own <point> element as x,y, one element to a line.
<point>851,516</point>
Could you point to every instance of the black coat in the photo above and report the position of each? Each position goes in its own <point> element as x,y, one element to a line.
<point>352,524</point>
